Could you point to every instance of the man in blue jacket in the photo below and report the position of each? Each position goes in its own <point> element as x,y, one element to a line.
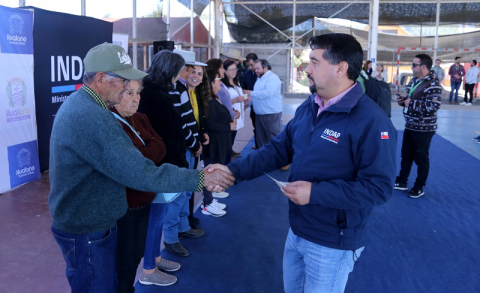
<point>341,148</point>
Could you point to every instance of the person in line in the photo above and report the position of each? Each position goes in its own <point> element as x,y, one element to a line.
<point>238,100</point>
<point>368,68</point>
<point>192,82</point>
<point>92,160</point>
<point>248,82</point>
<point>342,147</point>
<point>133,226</point>
<point>196,93</point>
<point>218,126</point>
<point>456,72</point>
<point>267,100</point>
<point>439,71</point>
<point>224,96</point>
<point>157,104</point>
<point>421,104</point>
<point>471,79</point>
<point>380,73</point>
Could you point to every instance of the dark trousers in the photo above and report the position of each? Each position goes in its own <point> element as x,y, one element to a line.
<point>268,126</point>
<point>207,195</point>
<point>132,234</point>
<point>415,148</point>
<point>191,201</point>
<point>253,117</point>
<point>90,260</point>
<point>468,90</point>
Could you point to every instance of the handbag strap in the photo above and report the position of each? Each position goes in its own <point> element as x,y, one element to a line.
<point>124,121</point>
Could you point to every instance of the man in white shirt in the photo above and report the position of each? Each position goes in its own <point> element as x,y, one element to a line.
<point>471,79</point>
<point>267,101</point>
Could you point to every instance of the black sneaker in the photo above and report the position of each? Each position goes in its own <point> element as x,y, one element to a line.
<point>415,192</point>
<point>400,186</point>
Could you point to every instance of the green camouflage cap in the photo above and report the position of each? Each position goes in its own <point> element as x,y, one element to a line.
<point>111,58</point>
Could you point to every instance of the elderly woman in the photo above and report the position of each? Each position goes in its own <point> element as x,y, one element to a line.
<point>132,227</point>
<point>380,73</point>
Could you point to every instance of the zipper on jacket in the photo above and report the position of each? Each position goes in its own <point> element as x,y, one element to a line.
<point>341,232</point>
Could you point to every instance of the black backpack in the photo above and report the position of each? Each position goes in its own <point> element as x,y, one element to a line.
<point>380,92</point>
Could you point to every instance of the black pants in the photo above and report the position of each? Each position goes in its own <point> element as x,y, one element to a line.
<point>415,148</point>
<point>468,89</point>
<point>132,234</point>
<point>253,116</point>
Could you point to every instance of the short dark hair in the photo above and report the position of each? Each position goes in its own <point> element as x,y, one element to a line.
<point>338,48</point>
<point>264,63</point>
<point>251,56</point>
<point>425,60</point>
<point>225,80</point>
<point>214,63</point>
<point>456,58</point>
<point>474,62</point>
<point>165,66</point>
<point>438,60</point>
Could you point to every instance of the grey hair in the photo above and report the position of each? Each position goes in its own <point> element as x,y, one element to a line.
<point>165,66</point>
<point>89,77</point>
<point>381,65</point>
<point>264,63</point>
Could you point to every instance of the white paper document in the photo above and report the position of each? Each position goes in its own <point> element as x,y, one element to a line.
<point>279,183</point>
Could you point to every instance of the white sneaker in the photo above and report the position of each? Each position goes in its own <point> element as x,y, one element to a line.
<point>219,205</point>
<point>468,104</point>
<point>213,210</point>
<point>222,194</point>
<point>463,104</point>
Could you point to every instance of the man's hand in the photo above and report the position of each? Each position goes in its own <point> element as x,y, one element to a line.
<point>207,139</point>
<point>400,100</point>
<point>237,114</point>
<point>407,102</point>
<point>199,152</point>
<point>218,178</point>
<point>457,76</point>
<point>247,92</point>
<point>298,192</point>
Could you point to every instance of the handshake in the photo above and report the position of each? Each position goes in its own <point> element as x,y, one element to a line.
<point>218,177</point>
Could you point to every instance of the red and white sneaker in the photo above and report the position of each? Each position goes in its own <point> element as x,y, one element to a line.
<point>213,210</point>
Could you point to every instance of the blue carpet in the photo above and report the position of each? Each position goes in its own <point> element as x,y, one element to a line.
<point>429,244</point>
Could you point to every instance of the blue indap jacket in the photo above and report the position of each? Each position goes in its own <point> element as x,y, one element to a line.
<point>347,153</point>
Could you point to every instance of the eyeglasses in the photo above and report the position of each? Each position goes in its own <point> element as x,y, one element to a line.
<point>126,81</point>
<point>218,78</point>
<point>415,64</point>
<point>233,69</point>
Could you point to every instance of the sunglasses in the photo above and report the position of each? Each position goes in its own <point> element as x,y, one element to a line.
<point>415,64</point>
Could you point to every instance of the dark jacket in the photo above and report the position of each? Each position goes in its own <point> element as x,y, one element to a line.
<point>151,148</point>
<point>248,80</point>
<point>425,102</point>
<point>348,153</point>
<point>218,129</point>
<point>166,121</point>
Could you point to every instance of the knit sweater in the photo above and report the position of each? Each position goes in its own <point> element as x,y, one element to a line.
<point>151,148</point>
<point>91,162</point>
<point>425,101</point>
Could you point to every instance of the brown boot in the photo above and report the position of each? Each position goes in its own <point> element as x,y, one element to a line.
<point>285,168</point>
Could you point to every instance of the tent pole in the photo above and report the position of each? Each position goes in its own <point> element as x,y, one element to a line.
<point>293,45</point>
<point>374,32</point>
<point>209,55</point>
<point>191,25</point>
<point>84,7</point>
<point>134,33</point>
<point>370,31</point>
<point>436,32</point>
<point>168,19</point>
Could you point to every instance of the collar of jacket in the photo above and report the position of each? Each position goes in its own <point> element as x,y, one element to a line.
<point>346,103</point>
<point>430,76</point>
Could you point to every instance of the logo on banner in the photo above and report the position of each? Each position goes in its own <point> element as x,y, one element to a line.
<point>23,163</point>
<point>124,58</point>
<point>17,100</point>
<point>16,24</point>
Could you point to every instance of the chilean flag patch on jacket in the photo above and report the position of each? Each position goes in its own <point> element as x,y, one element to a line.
<point>384,135</point>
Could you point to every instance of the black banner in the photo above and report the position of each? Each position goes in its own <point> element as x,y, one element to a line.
<point>60,42</point>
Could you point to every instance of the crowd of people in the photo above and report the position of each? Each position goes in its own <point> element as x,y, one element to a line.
<point>127,151</point>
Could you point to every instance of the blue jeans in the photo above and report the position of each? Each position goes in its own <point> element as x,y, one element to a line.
<point>90,260</point>
<point>309,267</point>
<point>154,234</point>
<point>455,86</point>
<point>176,219</point>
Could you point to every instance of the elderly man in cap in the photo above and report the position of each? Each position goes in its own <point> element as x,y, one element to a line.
<point>91,162</point>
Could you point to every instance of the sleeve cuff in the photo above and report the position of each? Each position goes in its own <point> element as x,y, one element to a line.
<point>201,181</point>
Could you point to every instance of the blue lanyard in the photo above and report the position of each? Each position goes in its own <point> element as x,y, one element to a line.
<point>123,120</point>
